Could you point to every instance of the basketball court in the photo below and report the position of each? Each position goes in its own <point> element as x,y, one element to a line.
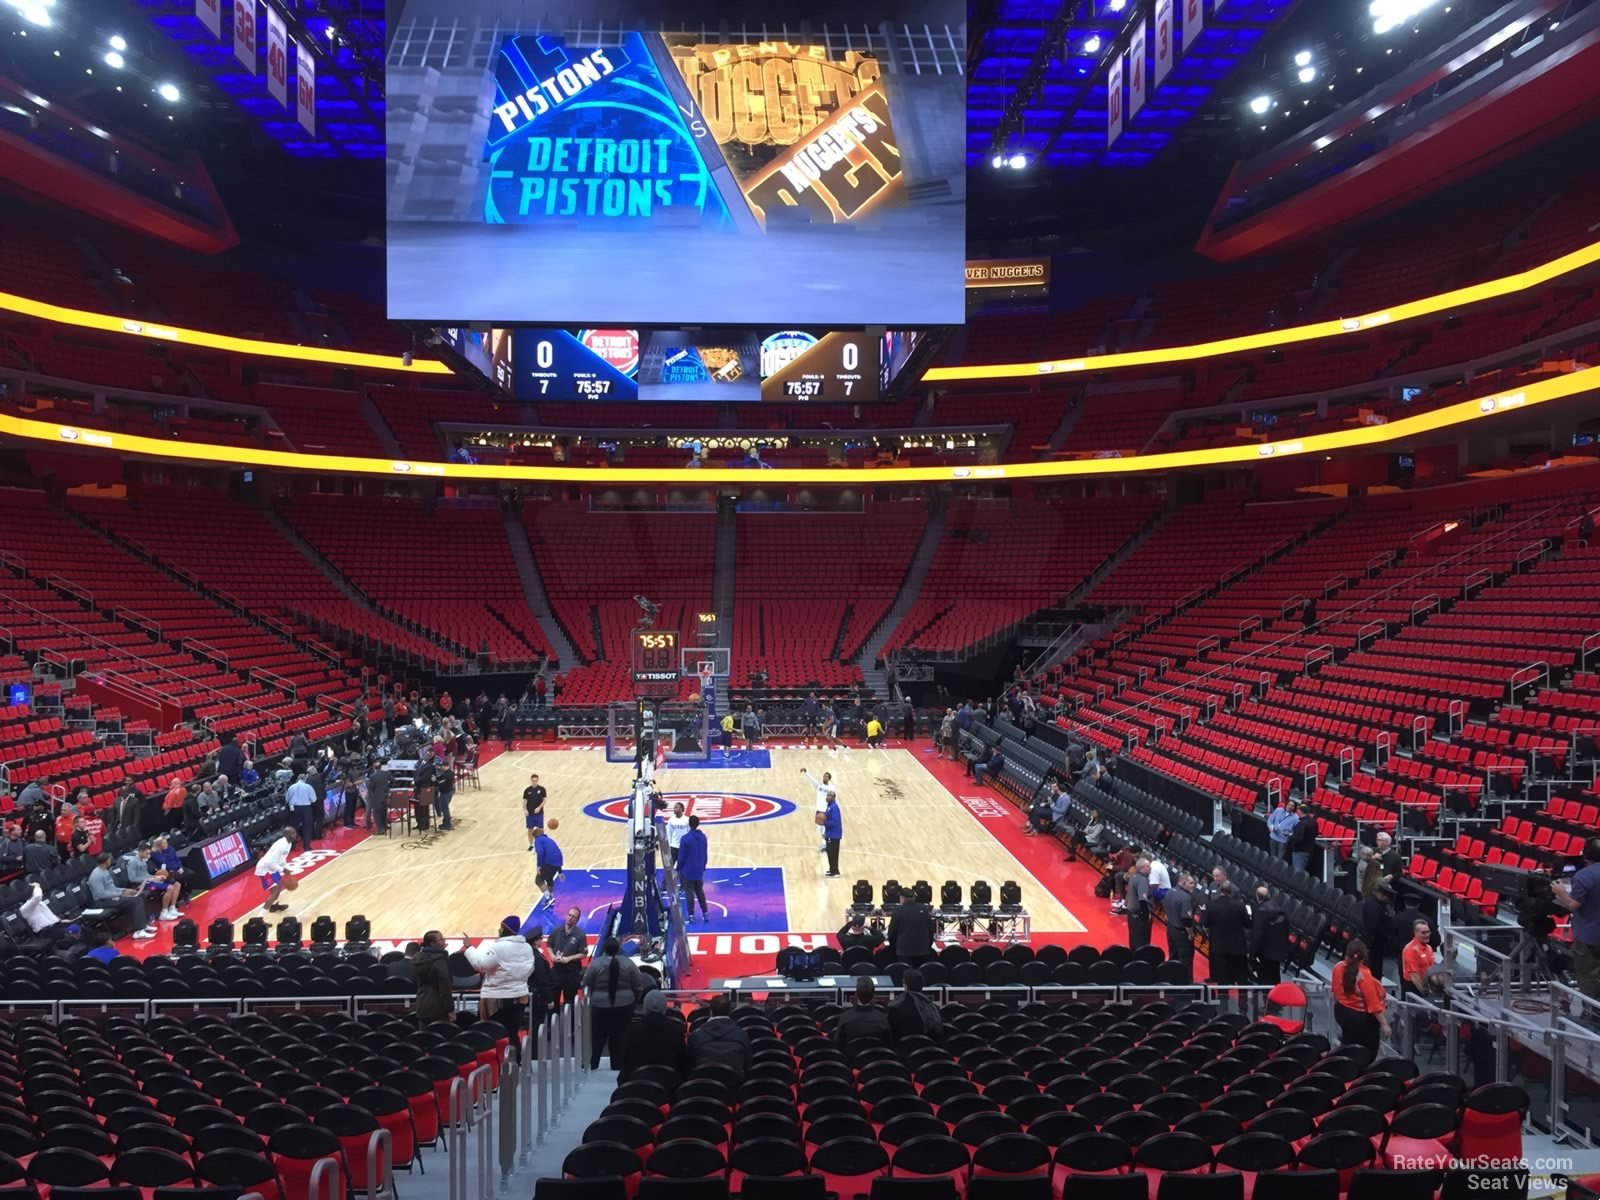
<point>765,874</point>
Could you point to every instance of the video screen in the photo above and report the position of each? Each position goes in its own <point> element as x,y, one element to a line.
<point>683,163</point>
<point>729,365</point>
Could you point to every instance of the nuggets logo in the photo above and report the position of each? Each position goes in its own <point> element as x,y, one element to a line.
<point>713,808</point>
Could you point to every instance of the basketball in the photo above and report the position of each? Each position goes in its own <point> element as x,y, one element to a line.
<point>290,883</point>
<point>555,824</point>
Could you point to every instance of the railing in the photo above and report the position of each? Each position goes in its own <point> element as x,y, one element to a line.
<point>1289,605</point>
<point>1369,633</point>
<point>1317,656</point>
<point>153,628</point>
<point>262,675</point>
<point>1474,583</point>
<point>1419,732</point>
<point>57,584</point>
<point>1347,763</point>
<point>1533,551</point>
<point>1382,748</point>
<point>1589,647</point>
<point>208,651</point>
<point>1379,561</point>
<point>1248,626</point>
<point>1534,675</point>
<point>1327,620</point>
<point>1429,603</point>
<point>1332,584</point>
<point>13,563</point>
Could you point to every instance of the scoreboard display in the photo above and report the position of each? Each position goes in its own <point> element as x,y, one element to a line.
<point>657,668</point>
<point>732,365</point>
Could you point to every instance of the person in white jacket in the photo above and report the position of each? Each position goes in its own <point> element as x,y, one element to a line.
<point>505,964</point>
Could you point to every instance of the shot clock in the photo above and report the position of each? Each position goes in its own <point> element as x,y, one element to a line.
<point>657,666</point>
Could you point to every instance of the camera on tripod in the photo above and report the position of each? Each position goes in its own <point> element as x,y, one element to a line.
<point>1535,902</point>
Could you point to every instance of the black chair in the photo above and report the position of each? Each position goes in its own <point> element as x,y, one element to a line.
<point>602,1161</point>
<point>847,1158</point>
<point>773,1157</point>
<point>1256,1153</point>
<point>1135,1128</point>
<point>902,1129</point>
<point>913,1189</point>
<point>66,1167</point>
<point>709,1188</point>
<point>627,1131</point>
<point>1055,1128</point>
<point>979,1127</point>
<point>1012,1154</point>
<point>685,1158</point>
<point>1093,1154</point>
<point>1291,1123</point>
<point>931,1156</point>
<point>1340,1150</point>
<point>1223,1185</point>
<point>1106,1187</point>
<point>1102,1107</point>
<point>580,1189</point>
<point>1368,1122</point>
<point>1296,1185</point>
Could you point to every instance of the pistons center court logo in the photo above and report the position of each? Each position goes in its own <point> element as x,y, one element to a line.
<point>713,808</point>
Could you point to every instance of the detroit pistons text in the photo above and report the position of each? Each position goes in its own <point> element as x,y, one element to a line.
<point>613,177</point>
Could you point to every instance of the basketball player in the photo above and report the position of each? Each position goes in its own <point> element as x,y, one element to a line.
<point>547,862</point>
<point>811,721</point>
<point>271,865</point>
<point>830,729</point>
<point>533,797</point>
<point>677,826</point>
<point>825,789</point>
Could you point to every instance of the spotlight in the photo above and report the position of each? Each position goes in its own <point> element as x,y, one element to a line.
<point>118,42</point>
<point>358,933</point>
<point>891,893</point>
<point>1303,59</point>
<point>1117,5</point>
<point>324,933</point>
<point>289,937</point>
<point>861,894</point>
<point>1010,894</point>
<point>1018,161</point>
<point>1260,104</point>
<point>950,894</point>
<point>36,14</point>
<point>997,162</point>
<point>255,935</point>
<point>219,935</point>
<point>169,92</point>
<point>113,59</point>
<point>1092,46</point>
<point>186,937</point>
<point>1307,74</point>
<point>923,890</point>
<point>982,895</point>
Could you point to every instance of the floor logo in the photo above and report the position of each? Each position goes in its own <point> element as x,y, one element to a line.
<point>723,808</point>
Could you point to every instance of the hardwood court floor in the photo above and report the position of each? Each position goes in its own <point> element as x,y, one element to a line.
<point>899,822</point>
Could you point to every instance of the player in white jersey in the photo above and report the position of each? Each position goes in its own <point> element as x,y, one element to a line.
<point>825,789</point>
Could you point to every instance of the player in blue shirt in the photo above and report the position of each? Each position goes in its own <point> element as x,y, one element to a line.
<point>692,853</point>
<point>548,862</point>
<point>832,832</point>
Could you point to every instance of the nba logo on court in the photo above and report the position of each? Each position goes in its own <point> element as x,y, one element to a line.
<point>719,808</point>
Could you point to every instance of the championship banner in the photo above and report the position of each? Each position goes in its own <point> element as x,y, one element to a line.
<point>1163,41</point>
<point>1137,50</point>
<point>305,88</point>
<point>277,57</point>
<point>244,33</point>
<point>664,128</point>
<point>1114,100</point>
<point>1008,273</point>
<point>210,14</point>
<point>1194,19</point>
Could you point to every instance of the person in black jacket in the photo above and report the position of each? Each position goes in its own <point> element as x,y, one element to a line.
<point>863,1023</point>
<point>1269,938</point>
<point>856,932</point>
<point>1227,923</point>
<point>719,1039</point>
<point>435,992</point>
<point>914,1015</point>
<point>911,931</point>
<point>1303,840</point>
<point>1375,918</point>
<point>541,980</point>
<point>655,1039</point>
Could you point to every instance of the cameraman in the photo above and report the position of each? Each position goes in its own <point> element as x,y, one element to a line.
<point>855,932</point>
<point>1581,897</point>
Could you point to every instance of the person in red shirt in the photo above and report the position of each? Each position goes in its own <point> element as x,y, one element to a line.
<point>65,820</point>
<point>1417,959</point>
<point>1359,999</point>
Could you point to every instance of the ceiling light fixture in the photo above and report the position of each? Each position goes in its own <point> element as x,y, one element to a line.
<point>118,42</point>
<point>1303,58</point>
<point>113,59</point>
<point>1092,46</point>
<point>169,92</point>
<point>1307,74</point>
<point>1018,161</point>
<point>1260,104</point>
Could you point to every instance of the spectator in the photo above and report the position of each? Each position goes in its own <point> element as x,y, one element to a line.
<point>1227,922</point>
<point>41,919</point>
<point>436,997</point>
<point>947,735</point>
<point>505,965</point>
<point>914,1015</point>
<point>720,1039</point>
<point>655,1039</point>
<point>1160,878</point>
<point>1094,834</point>
<point>125,904</point>
<point>911,930</point>
<point>677,826</point>
<point>990,769</point>
<point>31,794</point>
<point>172,805</point>
<point>1038,820</point>
<point>541,982</point>
<point>101,949</point>
<point>1581,897</point>
<point>614,984</point>
<point>1302,841</point>
<point>1280,825</point>
<point>1359,999</point>
<point>301,797</point>
<point>405,967</point>
<point>854,932</point>
<point>1375,927</point>
<point>863,1022</point>
<point>1118,868</point>
<point>1178,905</point>
<point>1390,866</point>
<point>12,849</point>
<point>153,881</point>
<point>1136,905</point>
<point>165,859</point>
<point>230,759</point>
<point>1269,938</point>
<point>1416,960</point>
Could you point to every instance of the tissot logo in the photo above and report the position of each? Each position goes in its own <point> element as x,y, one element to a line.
<point>713,808</point>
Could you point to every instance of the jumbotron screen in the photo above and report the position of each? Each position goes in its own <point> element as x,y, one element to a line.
<point>795,366</point>
<point>686,164</point>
